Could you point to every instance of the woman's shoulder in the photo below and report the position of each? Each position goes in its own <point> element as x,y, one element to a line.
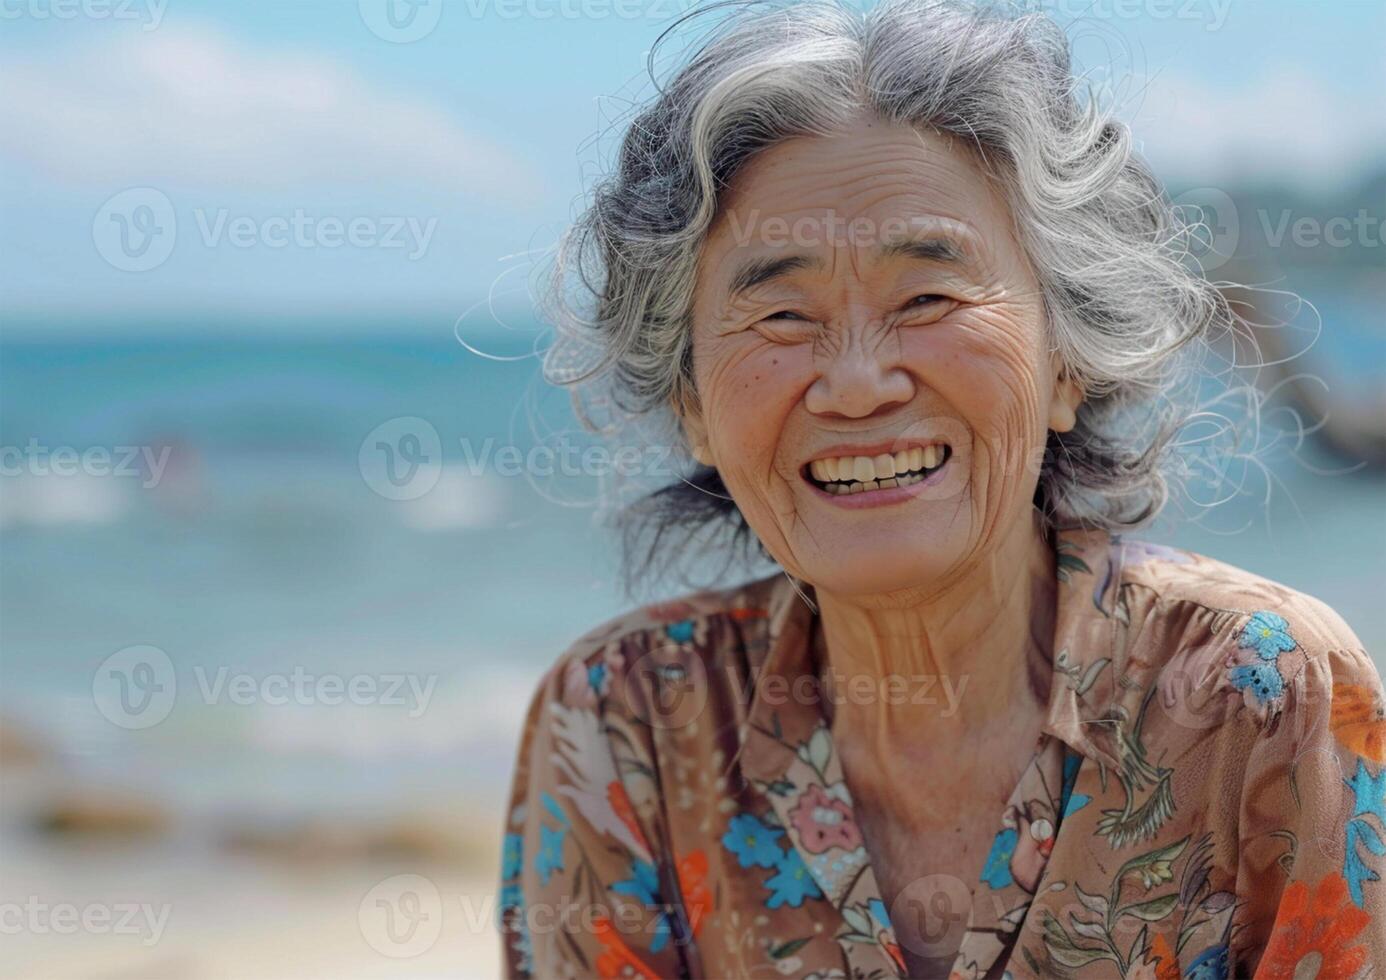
<point>684,639</point>
<point>1195,628</point>
<point>1278,647</point>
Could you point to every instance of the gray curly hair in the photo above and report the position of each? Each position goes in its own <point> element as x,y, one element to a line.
<point>1110,250</point>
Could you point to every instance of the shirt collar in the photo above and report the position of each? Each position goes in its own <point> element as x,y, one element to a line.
<point>1083,693</point>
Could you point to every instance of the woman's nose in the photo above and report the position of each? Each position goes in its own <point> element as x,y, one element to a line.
<point>858,381</point>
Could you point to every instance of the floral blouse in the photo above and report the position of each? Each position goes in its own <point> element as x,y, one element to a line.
<point>1207,796</point>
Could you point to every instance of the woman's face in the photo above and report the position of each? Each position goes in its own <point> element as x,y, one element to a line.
<point>874,381</point>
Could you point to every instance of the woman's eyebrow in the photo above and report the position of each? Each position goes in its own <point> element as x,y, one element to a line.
<point>933,246</point>
<point>755,272</point>
<point>926,248</point>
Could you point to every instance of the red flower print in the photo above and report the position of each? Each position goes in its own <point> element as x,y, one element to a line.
<point>697,900</point>
<point>1358,720</point>
<point>1318,929</point>
<point>616,961</point>
<point>824,821</point>
<point>1034,842</point>
<point>1167,963</point>
<point>741,614</point>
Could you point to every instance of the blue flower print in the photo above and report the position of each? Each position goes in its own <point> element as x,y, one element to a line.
<point>791,883</point>
<point>879,913</point>
<point>753,843</point>
<point>1211,964</point>
<point>552,806</point>
<point>1069,801</point>
<point>1267,634</point>
<point>1076,802</point>
<point>997,871</point>
<point>1369,798</point>
<point>511,897</point>
<point>512,856</point>
<point>643,886</point>
<point>1264,680</point>
<point>680,632</point>
<point>550,856</point>
<point>596,677</point>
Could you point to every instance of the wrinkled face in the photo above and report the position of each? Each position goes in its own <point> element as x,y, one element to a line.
<point>871,362</point>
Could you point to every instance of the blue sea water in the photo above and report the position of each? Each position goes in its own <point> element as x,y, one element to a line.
<point>263,549</point>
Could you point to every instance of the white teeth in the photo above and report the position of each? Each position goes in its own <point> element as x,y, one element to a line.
<point>857,474</point>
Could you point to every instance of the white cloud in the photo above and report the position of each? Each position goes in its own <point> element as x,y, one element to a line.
<point>1285,125</point>
<point>199,109</point>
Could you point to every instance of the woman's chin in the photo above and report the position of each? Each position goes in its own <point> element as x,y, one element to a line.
<point>893,567</point>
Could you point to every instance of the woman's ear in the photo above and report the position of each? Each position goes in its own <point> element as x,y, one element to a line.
<point>1065,398</point>
<point>694,427</point>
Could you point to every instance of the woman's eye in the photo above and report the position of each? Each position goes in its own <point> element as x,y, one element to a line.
<point>786,315</point>
<point>927,299</point>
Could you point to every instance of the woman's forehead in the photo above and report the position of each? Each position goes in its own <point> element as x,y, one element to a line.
<point>867,186</point>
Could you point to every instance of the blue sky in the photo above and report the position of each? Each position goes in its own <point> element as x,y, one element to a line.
<point>423,176</point>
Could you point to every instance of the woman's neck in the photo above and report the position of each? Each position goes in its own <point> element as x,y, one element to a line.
<point>977,645</point>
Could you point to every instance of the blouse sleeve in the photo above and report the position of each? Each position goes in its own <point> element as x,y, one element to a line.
<point>583,891</point>
<point>1313,809</point>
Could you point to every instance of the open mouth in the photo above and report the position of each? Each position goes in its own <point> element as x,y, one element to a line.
<point>842,475</point>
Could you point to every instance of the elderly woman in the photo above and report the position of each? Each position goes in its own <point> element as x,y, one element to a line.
<point>917,311</point>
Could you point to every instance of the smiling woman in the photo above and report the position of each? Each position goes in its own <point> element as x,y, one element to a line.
<point>921,315</point>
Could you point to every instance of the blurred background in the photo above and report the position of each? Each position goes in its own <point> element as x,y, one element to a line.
<point>290,524</point>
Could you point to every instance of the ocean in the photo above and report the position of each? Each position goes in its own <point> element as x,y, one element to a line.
<point>258,543</point>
